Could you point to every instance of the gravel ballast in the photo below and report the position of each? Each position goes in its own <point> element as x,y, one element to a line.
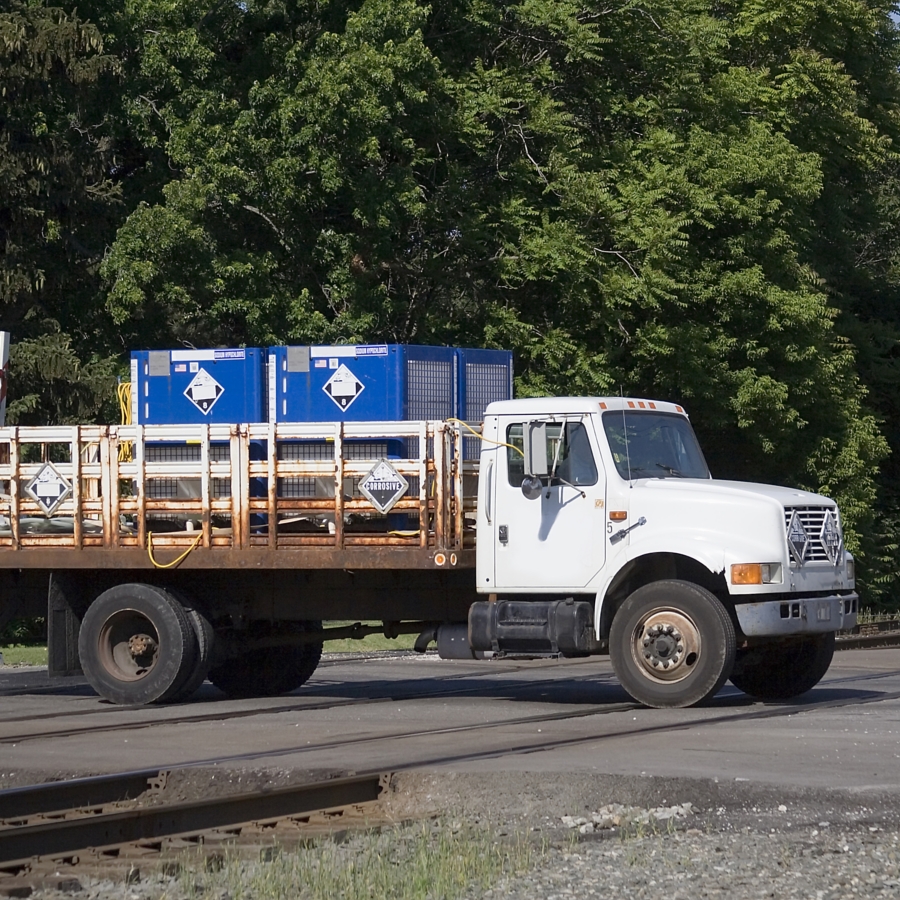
<point>640,837</point>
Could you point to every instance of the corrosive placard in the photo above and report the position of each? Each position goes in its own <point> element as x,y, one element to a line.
<point>343,387</point>
<point>383,486</point>
<point>203,391</point>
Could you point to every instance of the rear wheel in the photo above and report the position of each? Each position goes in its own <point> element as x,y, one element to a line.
<point>204,637</point>
<point>672,644</point>
<point>136,645</point>
<point>779,671</point>
<point>269,671</point>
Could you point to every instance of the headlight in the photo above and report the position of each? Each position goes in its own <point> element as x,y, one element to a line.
<point>756,573</point>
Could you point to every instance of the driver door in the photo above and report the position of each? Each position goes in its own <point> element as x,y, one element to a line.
<point>557,541</point>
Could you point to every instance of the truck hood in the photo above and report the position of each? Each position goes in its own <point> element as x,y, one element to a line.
<point>784,496</point>
<point>716,522</point>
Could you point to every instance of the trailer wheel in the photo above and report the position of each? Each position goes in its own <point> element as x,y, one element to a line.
<point>270,670</point>
<point>204,637</point>
<point>136,645</point>
<point>779,671</point>
<point>672,644</point>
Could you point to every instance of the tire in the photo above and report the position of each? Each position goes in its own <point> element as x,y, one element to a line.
<point>204,636</point>
<point>780,671</point>
<point>270,671</point>
<point>136,645</point>
<point>672,644</point>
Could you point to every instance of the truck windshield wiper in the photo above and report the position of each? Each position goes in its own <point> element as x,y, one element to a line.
<point>671,471</point>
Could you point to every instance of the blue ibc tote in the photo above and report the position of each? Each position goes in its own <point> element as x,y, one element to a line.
<point>385,382</point>
<point>186,387</point>
<point>362,383</point>
<point>484,376</point>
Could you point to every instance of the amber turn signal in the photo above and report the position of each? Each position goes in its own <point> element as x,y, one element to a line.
<point>746,573</point>
<point>618,515</point>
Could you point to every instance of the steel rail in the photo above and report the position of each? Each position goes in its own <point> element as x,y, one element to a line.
<point>876,641</point>
<point>879,641</point>
<point>74,793</point>
<point>224,715</point>
<point>20,845</point>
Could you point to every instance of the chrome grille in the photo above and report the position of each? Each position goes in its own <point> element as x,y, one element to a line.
<point>812,518</point>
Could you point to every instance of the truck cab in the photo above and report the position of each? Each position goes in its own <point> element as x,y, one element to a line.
<point>600,515</point>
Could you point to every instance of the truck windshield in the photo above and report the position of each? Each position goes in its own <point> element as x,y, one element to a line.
<point>653,445</point>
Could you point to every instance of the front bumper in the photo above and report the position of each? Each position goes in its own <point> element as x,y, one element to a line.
<point>810,615</point>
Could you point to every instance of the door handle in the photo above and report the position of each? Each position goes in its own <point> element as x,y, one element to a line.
<point>488,491</point>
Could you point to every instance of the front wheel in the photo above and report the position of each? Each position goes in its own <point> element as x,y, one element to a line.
<point>672,644</point>
<point>779,671</point>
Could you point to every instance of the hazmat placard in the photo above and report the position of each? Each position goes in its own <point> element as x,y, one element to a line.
<point>49,488</point>
<point>204,391</point>
<point>343,387</point>
<point>383,486</point>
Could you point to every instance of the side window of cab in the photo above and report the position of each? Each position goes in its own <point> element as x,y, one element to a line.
<point>568,446</point>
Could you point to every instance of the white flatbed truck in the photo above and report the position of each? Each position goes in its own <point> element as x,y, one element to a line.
<point>164,555</point>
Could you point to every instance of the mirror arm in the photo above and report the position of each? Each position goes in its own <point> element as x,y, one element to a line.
<point>569,484</point>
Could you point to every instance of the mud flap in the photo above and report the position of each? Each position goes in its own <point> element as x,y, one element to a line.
<point>65,606</point>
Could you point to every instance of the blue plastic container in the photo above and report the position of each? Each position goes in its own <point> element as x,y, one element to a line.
<point>186,387</point>
<point>484,376</point>
<point>362,383</point>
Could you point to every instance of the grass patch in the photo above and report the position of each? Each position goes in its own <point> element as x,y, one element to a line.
<point>24,655</point>
<point>414,862</point>
<point>370,644</point>
<point>15,654</point>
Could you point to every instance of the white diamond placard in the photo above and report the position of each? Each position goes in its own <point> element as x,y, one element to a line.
<point>831,538</point>
<point>383,486</point>
<point>49,488</point>
<point>797,537</point>
<point>343,387</point>
<point>203,391</point>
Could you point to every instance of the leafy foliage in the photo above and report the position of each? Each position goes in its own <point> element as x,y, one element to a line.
<point>57,210</point>
<point>676,198</point>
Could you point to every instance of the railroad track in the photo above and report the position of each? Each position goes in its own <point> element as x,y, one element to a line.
<point>81,824</point>
<point>47,826</point>
<point>150,716</point>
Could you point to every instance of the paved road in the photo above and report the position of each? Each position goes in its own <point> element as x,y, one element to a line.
<point>410,711</point>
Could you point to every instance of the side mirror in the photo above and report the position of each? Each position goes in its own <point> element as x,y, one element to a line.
<point>536,463</point>
<point>532,487</point>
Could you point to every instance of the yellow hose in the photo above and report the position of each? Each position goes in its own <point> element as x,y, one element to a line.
<point>481,437</point>
<point>174,562</point>
<point>123,392</point>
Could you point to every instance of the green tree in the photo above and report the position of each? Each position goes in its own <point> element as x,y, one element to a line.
<point>670,198</point>
<point>57,211</point>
